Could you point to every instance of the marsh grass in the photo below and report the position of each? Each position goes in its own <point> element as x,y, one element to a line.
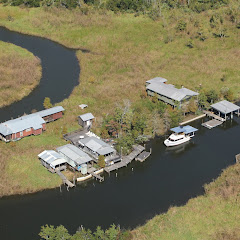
<point>20,73</point>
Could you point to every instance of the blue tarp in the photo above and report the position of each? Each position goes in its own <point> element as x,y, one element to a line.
<point>185,129</point>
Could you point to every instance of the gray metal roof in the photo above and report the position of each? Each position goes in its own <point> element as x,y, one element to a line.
<point>225,107</point>
<point>97,145</point>
<point>20,124</point>
<point>170,91</point>
<point>52,158</point>
<point>86,116</point>
<point>74,153</point>
<point>33,120</point>
<point>157,80</point>
<point>50,111</point>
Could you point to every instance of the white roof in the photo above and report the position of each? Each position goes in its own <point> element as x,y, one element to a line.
<point>96,145</point>
<point>170,91</point>
<point>157,80</point>
<point>86,116</point>
<point>52,158</point>
<point>225,107</point>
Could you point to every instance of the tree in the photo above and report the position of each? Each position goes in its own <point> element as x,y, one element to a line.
<point>192,106</point>
<point>101,161</point>
<point>212,96</point>
<point>47,103</point>
<point>47,232</point>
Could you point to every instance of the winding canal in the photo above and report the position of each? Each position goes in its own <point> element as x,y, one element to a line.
<point>139,192</point>
<point>60,73</point>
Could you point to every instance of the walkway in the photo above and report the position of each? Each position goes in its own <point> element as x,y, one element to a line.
<point>64,179</point>
<point>137,149</point>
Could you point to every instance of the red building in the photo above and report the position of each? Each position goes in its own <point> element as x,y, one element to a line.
<point>32,124</point>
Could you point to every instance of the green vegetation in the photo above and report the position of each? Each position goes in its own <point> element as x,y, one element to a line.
<point>214,216</point>
<point>20,73</point>
<point>101,161</point>
<point>61,233</point>
<point>47,103</point>
<point>125,51</point>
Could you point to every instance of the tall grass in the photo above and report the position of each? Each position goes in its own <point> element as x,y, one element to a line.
<point>125,51</point>
<point>20,73</point>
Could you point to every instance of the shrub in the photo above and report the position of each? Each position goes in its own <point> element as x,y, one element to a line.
<point>101,161</point>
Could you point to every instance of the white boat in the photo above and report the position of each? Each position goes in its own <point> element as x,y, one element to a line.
<point>181,135</point>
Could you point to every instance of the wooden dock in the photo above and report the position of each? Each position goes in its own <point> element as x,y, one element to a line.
<point>212,123</point>
<point>64,179</point>
<point>143,156</point>
<point>137,149</point>
<point>211,114</point>
<point>193,119</point>
<point>97,177</point>
<point>216,121</point>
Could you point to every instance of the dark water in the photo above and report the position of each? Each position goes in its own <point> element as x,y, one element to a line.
<point>167,178</point>
<point>60,73</point>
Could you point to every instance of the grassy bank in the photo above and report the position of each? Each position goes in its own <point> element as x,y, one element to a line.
<point>125,51</point>
<point>20,73</point>
<point>214,216</point>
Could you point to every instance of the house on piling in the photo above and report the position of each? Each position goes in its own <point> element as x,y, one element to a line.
<point>168,93</point>
<point>85,120</point>
<point>52,160</point>
<point>96,147</point>
<point>75,157</point>
<point>32,124</point>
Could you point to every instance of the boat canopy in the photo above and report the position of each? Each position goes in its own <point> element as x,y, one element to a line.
<point>184,129</point>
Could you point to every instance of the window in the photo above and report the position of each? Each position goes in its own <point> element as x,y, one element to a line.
<point>21,133</point>
<point>28,129</point>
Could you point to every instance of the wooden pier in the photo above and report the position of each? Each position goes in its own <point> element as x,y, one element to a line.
<point>216,121</point>
<point>97,177</point>
<point>137,149</point>
<point>212,123</point>
<point>64,179</point>
<point>211,114</point>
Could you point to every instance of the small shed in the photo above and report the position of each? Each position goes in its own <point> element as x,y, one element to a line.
<point>225,108</point>
<point>82,106</point>
<point>76,158</point>
<point>52,160</point>
<point>85,120</point>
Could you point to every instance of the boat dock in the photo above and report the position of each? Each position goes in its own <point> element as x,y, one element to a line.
<point>216,121</point>
<point>137,149</point>
<point>64,179</point>
<point>143,156</point>
<point>97,177</point>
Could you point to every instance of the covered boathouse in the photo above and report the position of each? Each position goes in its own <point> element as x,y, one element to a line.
<point>52,160</point>
<point>32,124</point>
<point>225,109</point>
